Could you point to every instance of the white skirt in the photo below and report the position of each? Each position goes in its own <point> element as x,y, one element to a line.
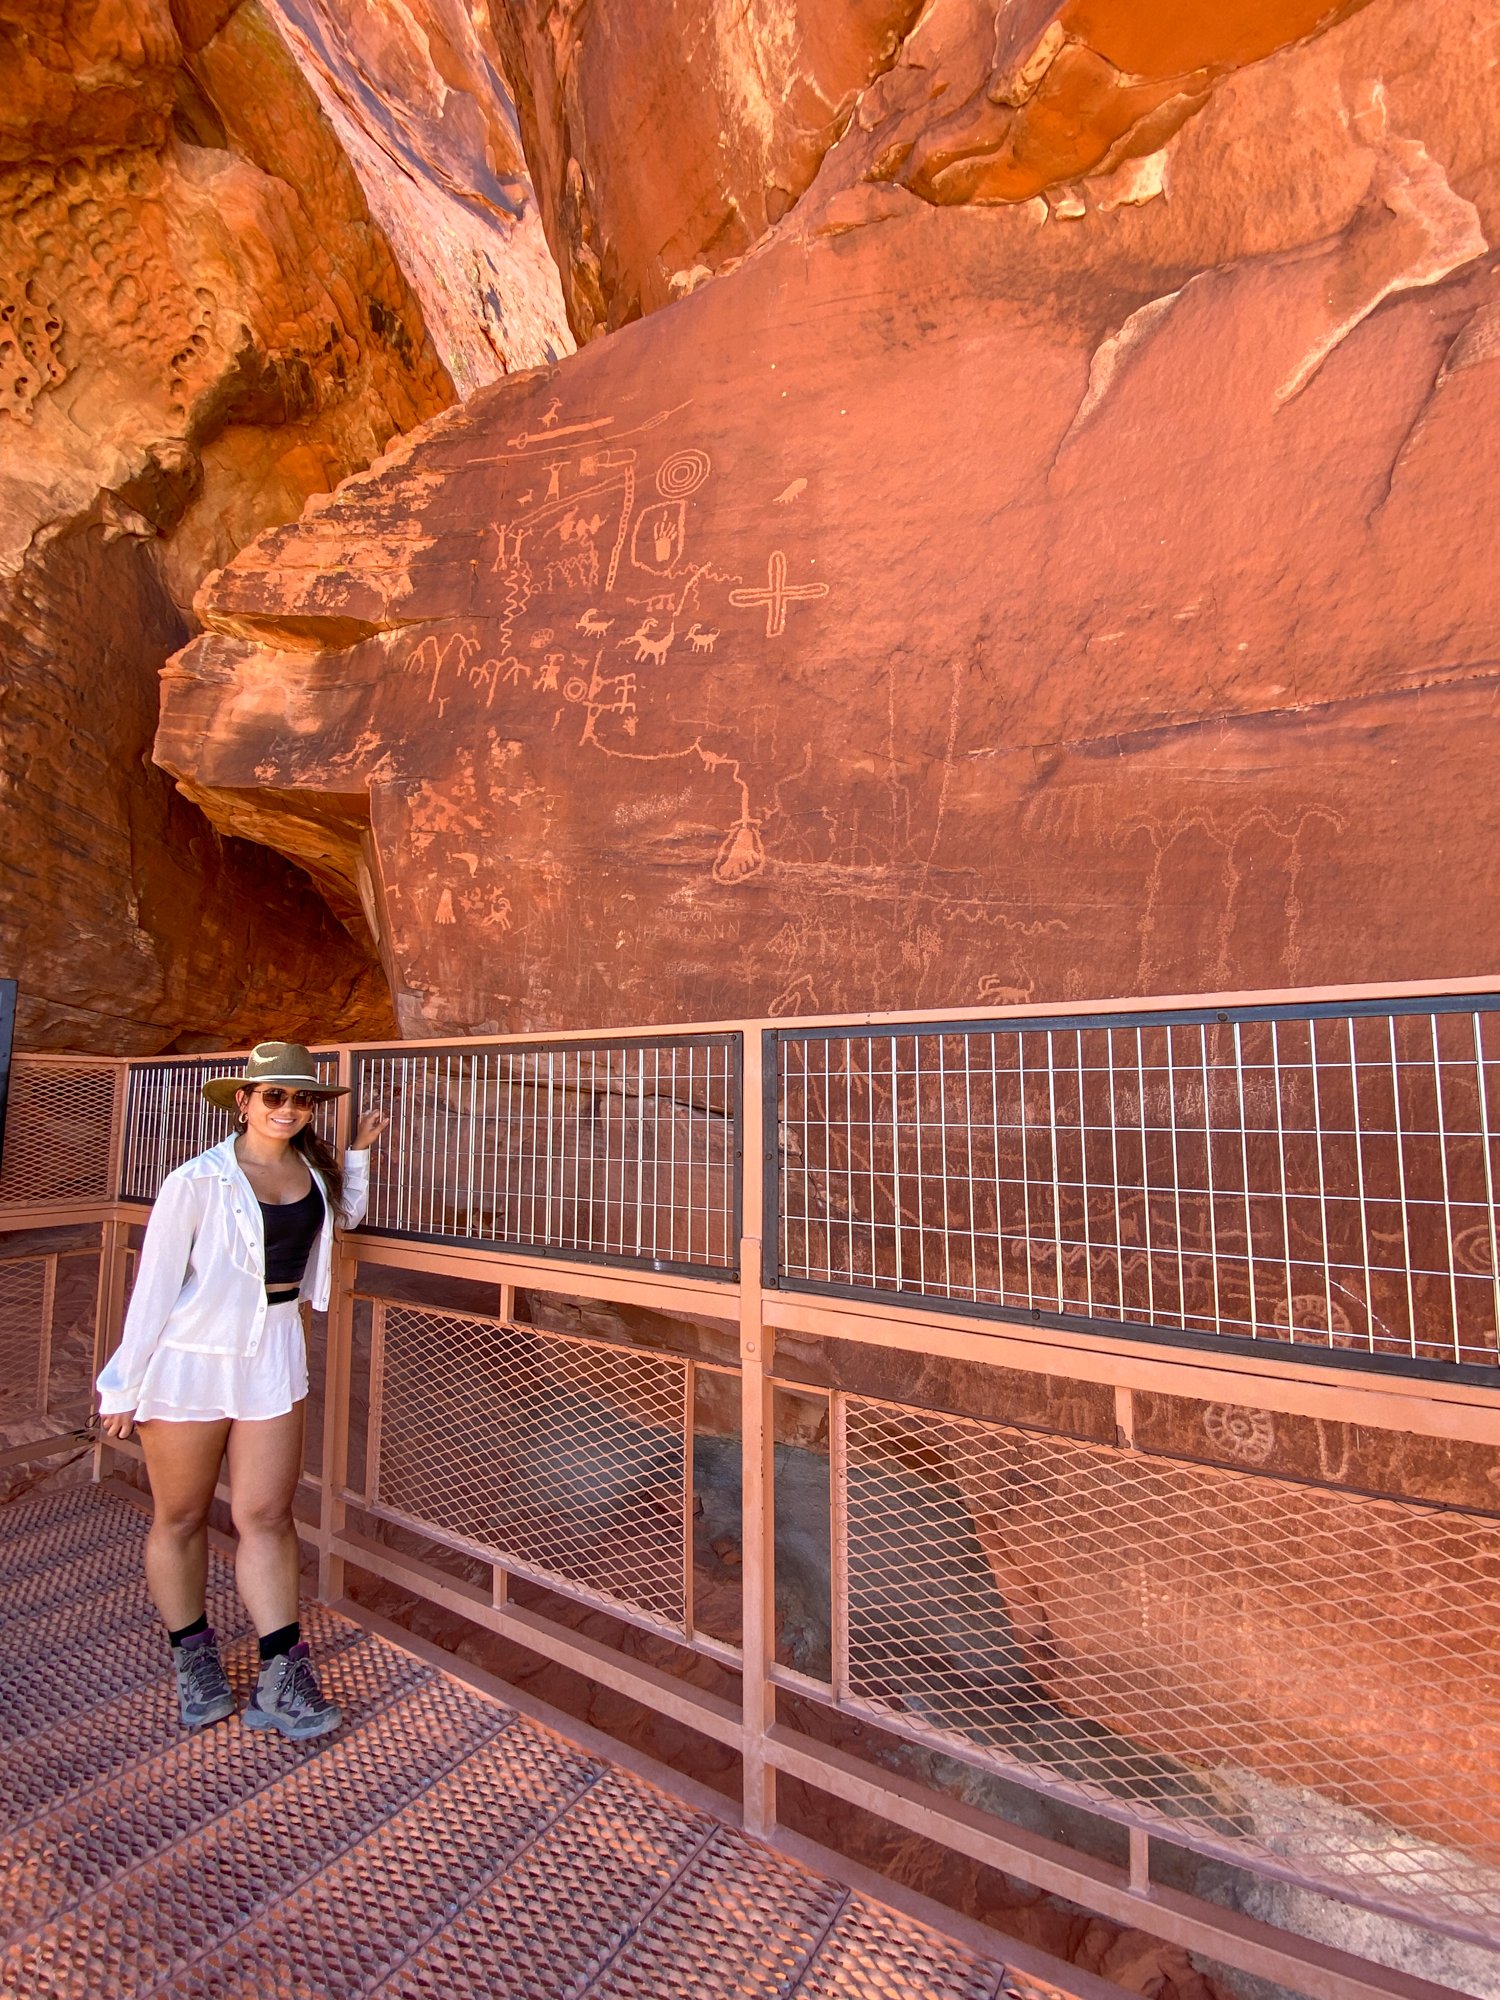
<point>205,1388</point>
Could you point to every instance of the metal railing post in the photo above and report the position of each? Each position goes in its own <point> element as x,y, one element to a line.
<point>119,1112</point>
<point>758,1443</point>
<point>337,1368</point>
<point>109,1309</point>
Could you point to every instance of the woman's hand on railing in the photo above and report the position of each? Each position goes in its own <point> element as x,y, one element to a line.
<point>371,1124</point>
<point>120,1425</point>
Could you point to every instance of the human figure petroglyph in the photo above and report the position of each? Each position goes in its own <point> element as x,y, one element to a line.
<point>699,640</point>
<point>777,594</point>
<point>648,645</point>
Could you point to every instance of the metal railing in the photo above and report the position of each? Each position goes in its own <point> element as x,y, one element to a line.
<point>621,1151</point>
<point>1321,1176</point>
<point>48,1314</point>
<point>168,1119</point>
<point>1111,1411</point>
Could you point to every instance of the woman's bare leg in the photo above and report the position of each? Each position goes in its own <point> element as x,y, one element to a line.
<point>182,1462</point>
<point>265,1462</point>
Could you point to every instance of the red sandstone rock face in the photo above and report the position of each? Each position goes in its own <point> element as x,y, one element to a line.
<point>948,605</point>
<point>202,322</point>
<point>666,139</point>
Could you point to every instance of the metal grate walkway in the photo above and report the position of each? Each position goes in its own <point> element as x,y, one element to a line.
<point>439,1845</point>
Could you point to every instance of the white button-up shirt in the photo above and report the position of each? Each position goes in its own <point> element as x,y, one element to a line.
<point>201,1284</point>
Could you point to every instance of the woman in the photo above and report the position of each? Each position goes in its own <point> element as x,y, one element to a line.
<point>213,1361</point>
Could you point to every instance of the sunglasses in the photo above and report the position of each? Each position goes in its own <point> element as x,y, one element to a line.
<point>272,1096</point>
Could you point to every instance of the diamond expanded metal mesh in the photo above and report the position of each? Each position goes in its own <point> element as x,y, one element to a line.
<point>168,1119</point>
<point>1294,1675</point>
<point>564,1459</point>
<point>622,1152</point>
<point>1326,1178</point>
<point>24,1311</point>
<point>439,1845</point>
<point>58,1125</point>
<point>47,1306</point>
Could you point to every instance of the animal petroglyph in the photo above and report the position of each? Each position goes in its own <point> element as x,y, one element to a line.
<point>648,645</point>
<point>593,624</point>
<point>790,493</point>
<point>699,640</point>
<point>777,594</point>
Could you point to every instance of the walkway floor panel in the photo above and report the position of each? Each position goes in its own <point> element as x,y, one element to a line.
<point>439,1847</point>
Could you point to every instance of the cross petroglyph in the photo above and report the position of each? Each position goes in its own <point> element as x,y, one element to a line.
<point>777,594</point>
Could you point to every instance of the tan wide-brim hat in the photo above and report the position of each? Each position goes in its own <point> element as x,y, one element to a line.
<point>288,1063</point>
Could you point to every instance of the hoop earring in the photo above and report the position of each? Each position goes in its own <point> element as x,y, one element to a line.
<point>241,1124</point>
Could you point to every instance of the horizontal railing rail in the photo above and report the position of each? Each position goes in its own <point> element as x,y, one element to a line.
<point>1319,1176</point>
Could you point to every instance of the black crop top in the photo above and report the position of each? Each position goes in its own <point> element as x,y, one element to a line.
<point>291,1231</point>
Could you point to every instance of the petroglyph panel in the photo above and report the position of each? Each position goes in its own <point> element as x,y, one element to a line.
<point>833,641</point>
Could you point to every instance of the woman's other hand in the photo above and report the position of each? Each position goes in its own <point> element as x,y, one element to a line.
<point>371,1124</point>
<point>118,1426</point>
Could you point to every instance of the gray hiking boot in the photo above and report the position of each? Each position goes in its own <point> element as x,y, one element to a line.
<point>203,1691</point>
<point>287,1697</point>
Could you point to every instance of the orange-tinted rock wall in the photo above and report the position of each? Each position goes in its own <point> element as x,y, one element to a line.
<point>205,318</point>
<point>947,604</point>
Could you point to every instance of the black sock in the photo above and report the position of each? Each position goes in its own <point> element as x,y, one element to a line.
<point>199,1624</point>
<point>279,1642</point>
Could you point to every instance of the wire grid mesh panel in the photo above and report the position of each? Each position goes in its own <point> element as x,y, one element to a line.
<point>624,1152</point>
<point>1321,1177</point>
<point>1287,1674</point>
<point>25,1310</point>
<point>168,1119</point>
<point>47,1308</point>
<point>564,1459</point>
<point>58,1129</point>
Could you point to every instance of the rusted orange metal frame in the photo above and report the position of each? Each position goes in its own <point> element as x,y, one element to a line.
<point>767,1748</point>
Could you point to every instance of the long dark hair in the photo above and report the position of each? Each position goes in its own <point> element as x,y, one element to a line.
<point>318,1153</point>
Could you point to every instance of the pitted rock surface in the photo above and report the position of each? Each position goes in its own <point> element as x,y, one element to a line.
<point>213,303</point>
